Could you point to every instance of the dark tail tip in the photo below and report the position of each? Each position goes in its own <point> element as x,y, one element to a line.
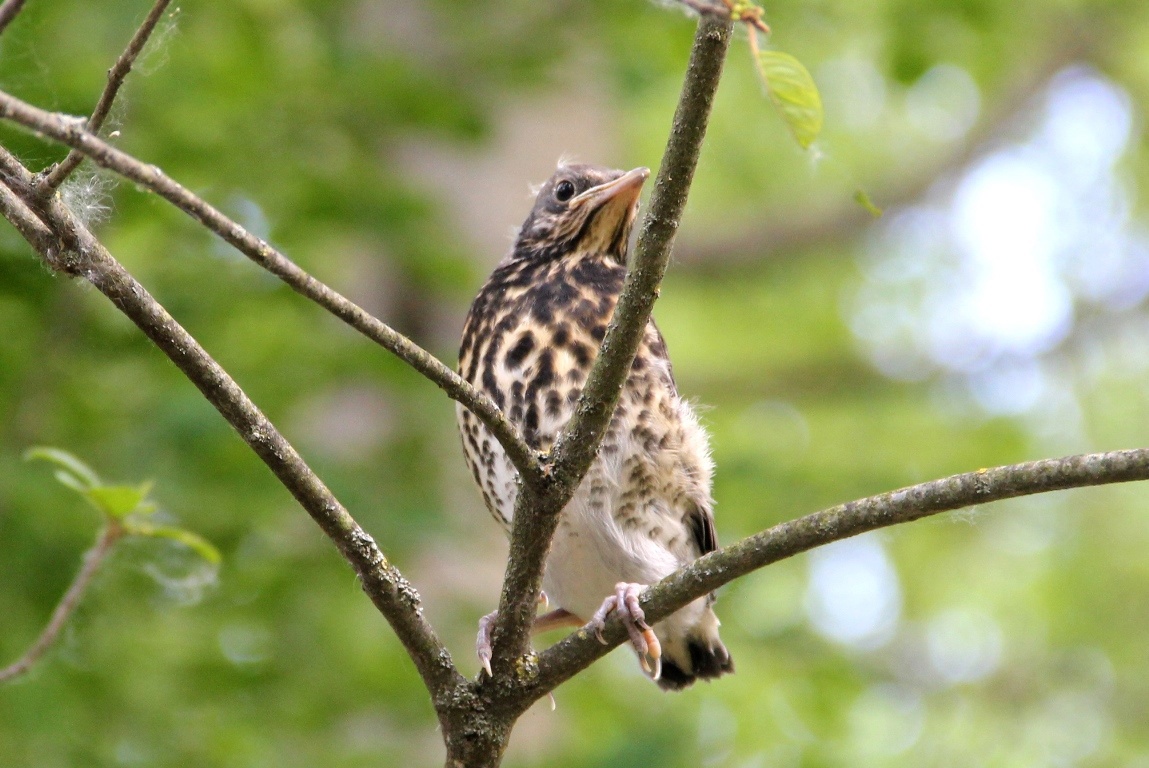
<point>705,663</point>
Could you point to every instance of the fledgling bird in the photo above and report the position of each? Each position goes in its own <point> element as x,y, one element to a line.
<point>644,508</point>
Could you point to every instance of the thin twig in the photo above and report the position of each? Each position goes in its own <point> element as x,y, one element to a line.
<point>747,12</point>
<point>58,174</point>
<point>536,516</point>
<point>93,559</point>
<point>573,654</point>
<point>26,221</point>
<point>84,256</point>
<point>702,7</point>
<point>65,130</point>
<point>8,12</point>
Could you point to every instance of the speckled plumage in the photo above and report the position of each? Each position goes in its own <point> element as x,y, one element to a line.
<point>644,508</point>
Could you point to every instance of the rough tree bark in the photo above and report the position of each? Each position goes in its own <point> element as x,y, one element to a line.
<point>477,717</point>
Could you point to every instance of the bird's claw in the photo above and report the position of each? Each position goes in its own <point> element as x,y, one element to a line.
<point>552,620</point>
<point>483,641</point>
<point>642,637</point>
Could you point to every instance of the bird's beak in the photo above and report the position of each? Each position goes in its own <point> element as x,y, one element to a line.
<point>610,211</point>
<point>620,194</point>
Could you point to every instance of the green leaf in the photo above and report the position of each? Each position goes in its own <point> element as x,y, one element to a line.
<point>146,505</point>
<point>119,501</point>
<point>193,541</point>
<point>862,199</point>
<point>794,94</point>
<point>116,501</point>
<point>69,480</point>
<point>71,471</point>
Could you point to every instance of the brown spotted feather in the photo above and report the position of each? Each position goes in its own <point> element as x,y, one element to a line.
<point>644,508</point>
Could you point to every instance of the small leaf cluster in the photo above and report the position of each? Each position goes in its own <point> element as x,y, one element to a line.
<point>129,508</point>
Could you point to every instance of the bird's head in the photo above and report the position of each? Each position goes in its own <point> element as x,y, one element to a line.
<point>582,209</point>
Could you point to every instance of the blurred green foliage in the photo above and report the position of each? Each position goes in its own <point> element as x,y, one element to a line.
<point>356,135</point>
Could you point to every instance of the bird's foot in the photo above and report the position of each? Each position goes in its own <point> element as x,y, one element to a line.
<point>483,641</point>
<point>642,637</point>
<point>558,618</point>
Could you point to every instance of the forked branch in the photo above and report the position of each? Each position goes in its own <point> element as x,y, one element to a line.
<point>573,654</point>
<point>536,515</point>
<point>58,174</point>
<point>477,719</point>
<point>65,130</point>
<point>74,250</point>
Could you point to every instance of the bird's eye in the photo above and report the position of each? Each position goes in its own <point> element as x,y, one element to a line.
<point>564,191</point>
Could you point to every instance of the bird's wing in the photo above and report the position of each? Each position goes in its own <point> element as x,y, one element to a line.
<point>700,521</point>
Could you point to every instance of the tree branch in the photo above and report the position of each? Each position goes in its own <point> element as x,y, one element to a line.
<point>704,8</point>
<point>8,12</point>
<point>66,130</point>
<point>23,218</point>
<point>93,559</point>
<point>58,174</point>
<point>80,254</point>
<point>536,515</point>
<point>573,654</point>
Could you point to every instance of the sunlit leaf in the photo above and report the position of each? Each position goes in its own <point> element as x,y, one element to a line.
<point>146,505</point>
<point>66,478</point>
<point>794,94</point>
<point>193,541</point>
<point>119,501</point>
<point>116,501</point>
<point>862,199</point>
<point>71,471</point>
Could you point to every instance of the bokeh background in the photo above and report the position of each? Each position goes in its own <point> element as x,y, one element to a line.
<point>996,313</point>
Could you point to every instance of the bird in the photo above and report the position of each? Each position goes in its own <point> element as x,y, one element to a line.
<point>644,508</point>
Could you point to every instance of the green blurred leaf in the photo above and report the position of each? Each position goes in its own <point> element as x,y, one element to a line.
<point>119,501</point>
<point>794,94</point>
<point>116,501</point>
<point>66,478</point>
<point>862,199</point>
<point>72,472</point>
<point>193,541</point>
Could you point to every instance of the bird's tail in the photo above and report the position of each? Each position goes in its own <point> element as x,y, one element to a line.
<point>692,652</point>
